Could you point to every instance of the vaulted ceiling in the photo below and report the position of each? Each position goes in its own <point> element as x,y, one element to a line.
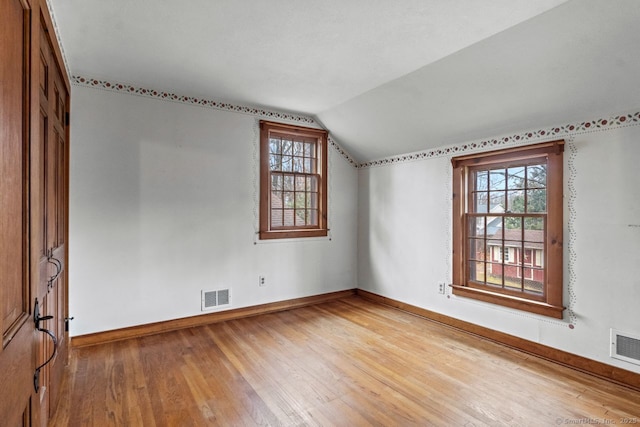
<point>385,77</point>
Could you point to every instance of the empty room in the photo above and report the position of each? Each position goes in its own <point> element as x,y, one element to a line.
<point>327,213</point>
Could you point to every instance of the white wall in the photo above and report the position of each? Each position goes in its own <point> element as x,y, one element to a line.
<point>405,244</point>
<point>163,204</point>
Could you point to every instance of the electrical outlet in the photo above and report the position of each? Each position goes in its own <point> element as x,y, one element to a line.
<point>261,281</point>
<point>441,288</point>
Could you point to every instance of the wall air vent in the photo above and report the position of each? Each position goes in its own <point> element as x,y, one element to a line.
<point>215,299</point>
<point>625,346</point>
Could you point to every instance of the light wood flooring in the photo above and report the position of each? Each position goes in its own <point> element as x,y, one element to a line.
<point>348,362</point>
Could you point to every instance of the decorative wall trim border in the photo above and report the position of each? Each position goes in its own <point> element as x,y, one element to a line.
<point>208,103</point>
<point>571,225</point>
<point>191,100</point>
<point>342,152</point>
<point>622,120</point>
<point>568,130</point>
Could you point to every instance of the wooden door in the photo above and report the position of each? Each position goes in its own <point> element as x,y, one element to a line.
<point>17,355</point>
<point>49,216</point>
<point>34,153</point>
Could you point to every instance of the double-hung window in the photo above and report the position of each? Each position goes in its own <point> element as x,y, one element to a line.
<point>507,227</point>
<point>293,181</point>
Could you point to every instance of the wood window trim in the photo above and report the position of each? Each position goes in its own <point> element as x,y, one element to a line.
<point>319,135</point>
<point>551,305</point>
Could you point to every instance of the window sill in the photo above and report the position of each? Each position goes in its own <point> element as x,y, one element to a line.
<point>292,235</point>
<point>517,303</point>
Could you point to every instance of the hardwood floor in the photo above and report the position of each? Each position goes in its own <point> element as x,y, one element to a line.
<point>348,362</point>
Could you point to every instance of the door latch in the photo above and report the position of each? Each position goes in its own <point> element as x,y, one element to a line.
<point>36,320</point>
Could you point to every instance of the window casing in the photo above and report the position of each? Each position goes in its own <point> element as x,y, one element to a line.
<point>293,181</point>
<point>509,202</point>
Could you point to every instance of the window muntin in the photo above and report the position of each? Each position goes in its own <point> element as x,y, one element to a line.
<point>293,181</point>
<point>508,227</point>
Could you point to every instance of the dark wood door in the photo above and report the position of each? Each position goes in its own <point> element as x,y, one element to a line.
<point>17,354</point>
<point>34,155</point>
<point>49,213</point>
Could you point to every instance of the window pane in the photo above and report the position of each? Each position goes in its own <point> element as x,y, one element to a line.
<point>275,145</point>
<point>307,166</point>
<point>312,200</point>
<point>287,164</point>
<point>476,226</point>
<point>308,149</point>
<point>300,217</point>
<point>513,227</point>
<point>495,251</point>
<point>276,182</point>
<point>480,202</point>
<point>298,164</point>
<point>275,162</point>
<point>534,280</point>
<point>276,199</point>
<point>515,201</point>
<point>494,227</point>
<point>515,254</point>
<point>288,199</point>
<point>312,183</point>
<point>528,257</point>
<point>537,176</point>
<point>289,218</point>
<point>497,179</point>
<point>476,249</point>
<point>300,200</point>
<point>494,273</point>
<point>287,147</point>
<point>512,277</point>
<point>537,200</point>
<point>313,217</point>
<point>298,148</point>
<point>497,201</point>
<point>533,223</point>
<point>276,217</point>
<point>516,178</point>
<point>300,183</point>
<point>482,180</point>
<point>476,271</point>
<point>288,182</point>
<point>534,230</point>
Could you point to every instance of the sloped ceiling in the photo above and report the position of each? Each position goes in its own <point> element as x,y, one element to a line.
<point>385,77</point>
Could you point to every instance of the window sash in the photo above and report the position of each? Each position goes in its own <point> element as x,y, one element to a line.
<point>550,302</point>
<point>301,205</point>
<point>295,155</point>
<point>489,268</point>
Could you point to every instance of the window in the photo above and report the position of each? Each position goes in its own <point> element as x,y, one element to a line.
<point>510,202</point>
<point>293,181</point>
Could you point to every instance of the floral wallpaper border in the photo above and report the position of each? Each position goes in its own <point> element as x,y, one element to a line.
<point>225,106</point>
<point>620,120</point>
<point>567,130</point>
<point>169,96</point>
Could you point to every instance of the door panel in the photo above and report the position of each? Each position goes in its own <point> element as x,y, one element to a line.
<point>33,211</point>
<point>17,350</point>
<point>52,217</point>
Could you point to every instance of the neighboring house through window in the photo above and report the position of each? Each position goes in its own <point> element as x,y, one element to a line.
<point>293,181</point>
<point>507,227</point>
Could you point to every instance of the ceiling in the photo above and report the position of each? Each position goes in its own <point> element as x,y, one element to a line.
<point>385,77</point>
